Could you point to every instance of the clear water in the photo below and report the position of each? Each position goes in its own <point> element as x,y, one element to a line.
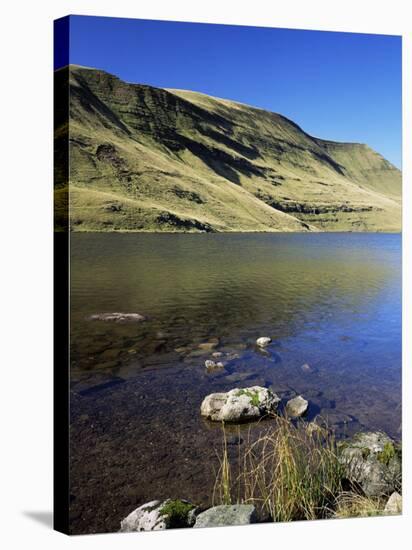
<point>332,301</point>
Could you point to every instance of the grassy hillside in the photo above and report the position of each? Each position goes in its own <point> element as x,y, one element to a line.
<point>150,159</point>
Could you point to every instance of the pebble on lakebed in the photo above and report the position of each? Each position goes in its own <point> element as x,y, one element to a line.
<point>239,404</point>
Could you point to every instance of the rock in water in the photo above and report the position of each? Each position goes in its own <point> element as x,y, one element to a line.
<point>394,504</point>
<point>238,514</point>
<point>373,461</point>
<point>239,405</point>
<point>158,515</point>
<point>117,317</point>
<point>297,406</point>
<point>263,341</point>
<point>212,365</point>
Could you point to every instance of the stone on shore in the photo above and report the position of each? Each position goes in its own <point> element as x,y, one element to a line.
<point>263,341</point>
<point>117,317</point>
<point>237,514</point>
<point>158,515</point>
<point>373,461</point>
<point>394,504</point>
<point>239,405</point>
<point>297,406</point>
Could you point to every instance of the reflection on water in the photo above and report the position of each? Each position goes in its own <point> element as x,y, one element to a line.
<point>298,289</point>
<point>332,301</point>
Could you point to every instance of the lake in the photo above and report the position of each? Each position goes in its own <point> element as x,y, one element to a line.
<point>329,301</point>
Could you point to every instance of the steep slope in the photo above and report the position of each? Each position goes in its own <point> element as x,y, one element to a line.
<point>149,159</point>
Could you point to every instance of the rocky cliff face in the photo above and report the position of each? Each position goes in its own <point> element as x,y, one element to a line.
<point>150,159</point>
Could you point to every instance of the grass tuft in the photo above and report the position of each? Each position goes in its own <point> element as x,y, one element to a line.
<point>290,472</point>
<point>354,505</point>
<point>223,483</point>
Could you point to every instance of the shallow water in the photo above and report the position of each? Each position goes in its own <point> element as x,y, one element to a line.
<point>332,301</point>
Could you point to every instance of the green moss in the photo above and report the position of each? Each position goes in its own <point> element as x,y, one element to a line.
<point>254,396</point>
<point>386,455</point>
<point>176,512</point>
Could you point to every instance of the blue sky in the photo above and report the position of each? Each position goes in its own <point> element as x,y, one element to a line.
<point>339,86</point>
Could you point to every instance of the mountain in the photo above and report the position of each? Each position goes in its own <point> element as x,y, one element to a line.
<point>151,159</point>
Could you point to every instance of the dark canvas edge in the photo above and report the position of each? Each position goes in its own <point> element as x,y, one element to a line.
<point>61,489</point>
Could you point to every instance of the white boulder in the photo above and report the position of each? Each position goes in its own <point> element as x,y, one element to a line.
<point>239,405</point>
<point>158,515</point>
<point>263,341</point>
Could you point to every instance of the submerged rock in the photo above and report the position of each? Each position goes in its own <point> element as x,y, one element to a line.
<point>239,405</point>
<point>117,317</point>
<point>238,514</point>
<point>297,406</point>
<point>209,346</point>
<point>394,504</point>
<point>232,355</point>
<point>239,376</point>
<point>263,341</point>
<point>373,461</point>
<point>308,369</point>
<point>158,515</point>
